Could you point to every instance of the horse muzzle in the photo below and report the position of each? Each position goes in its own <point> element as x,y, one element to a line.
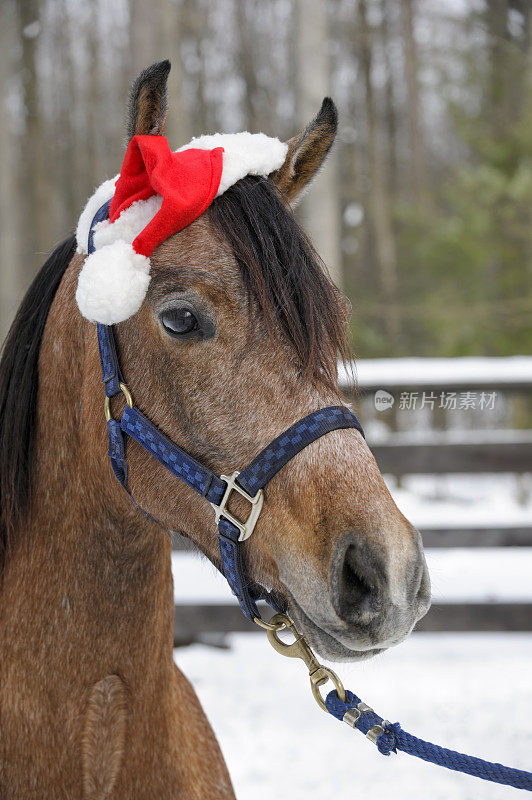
<point>372,601</point>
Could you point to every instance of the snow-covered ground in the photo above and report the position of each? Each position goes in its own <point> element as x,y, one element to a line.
<point>469,692</point>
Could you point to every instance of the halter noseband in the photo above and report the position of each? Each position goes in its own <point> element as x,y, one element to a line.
<point>216,489</point>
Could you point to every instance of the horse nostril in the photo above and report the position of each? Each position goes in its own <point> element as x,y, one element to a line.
<point>353,592</point>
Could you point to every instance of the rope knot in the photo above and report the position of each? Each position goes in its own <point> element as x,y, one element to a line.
<point>387,742</point>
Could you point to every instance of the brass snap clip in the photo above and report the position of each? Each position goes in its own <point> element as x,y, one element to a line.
<point>300,648</point>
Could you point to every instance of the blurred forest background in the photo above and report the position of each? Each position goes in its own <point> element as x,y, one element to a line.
<point>423,213</point>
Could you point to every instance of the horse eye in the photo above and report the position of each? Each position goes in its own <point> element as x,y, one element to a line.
<point>179,321</point>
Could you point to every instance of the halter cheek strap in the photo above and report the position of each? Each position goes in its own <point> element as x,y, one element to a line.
<point>216,489</point>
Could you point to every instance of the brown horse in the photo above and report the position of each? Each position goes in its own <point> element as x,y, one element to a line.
<point>91,703</point>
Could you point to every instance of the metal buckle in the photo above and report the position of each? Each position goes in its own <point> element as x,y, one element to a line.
<point>246,528</point>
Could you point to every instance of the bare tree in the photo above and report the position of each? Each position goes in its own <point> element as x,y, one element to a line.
<point>247,66</point>
<point>390,114</point>
<point>145,35</point>
<point>178,126</point>
<point>418,171</point>
<point>62,164</point>
<point>11,279</point>
<point>385,249</point>
<point>194,31</point>
<point>320,210</point>
<point>33,195</point>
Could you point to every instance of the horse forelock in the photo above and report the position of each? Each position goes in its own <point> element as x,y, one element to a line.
<point>284,275</point>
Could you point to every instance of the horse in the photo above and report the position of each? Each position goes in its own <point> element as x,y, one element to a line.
<point>92,704</point>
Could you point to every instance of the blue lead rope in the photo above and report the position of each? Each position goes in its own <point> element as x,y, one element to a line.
<point>390,737</point>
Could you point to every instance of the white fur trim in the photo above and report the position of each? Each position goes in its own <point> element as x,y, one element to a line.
<point>129,224</point>
<point>244,154</point>
<point>103,193</point>
<point>112,283</point>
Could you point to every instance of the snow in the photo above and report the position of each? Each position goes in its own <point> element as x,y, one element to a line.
<point>467,371</point>
<point>197,581</point>
<point>457,574</point>
<point>470,692</point>
<point>494,501</point>
<point>480,573</point>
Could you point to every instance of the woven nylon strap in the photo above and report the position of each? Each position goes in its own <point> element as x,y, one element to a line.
<point>200,478</point>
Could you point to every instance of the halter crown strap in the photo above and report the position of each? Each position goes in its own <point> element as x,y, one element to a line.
<point>217,489</point>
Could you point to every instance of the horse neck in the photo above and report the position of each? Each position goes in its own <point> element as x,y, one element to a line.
<point>84,547</point>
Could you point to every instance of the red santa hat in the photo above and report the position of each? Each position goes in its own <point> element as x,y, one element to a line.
<point>157,193</point>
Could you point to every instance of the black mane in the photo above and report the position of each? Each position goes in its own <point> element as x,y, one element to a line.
<point>284,274</point>
<point>19,378</point>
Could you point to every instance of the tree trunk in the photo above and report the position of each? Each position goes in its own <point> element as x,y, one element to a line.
<point>320,210</point>
<point>63,164</point>
<point>247,68</point>
<point>379,208</point>
<point>178,127</point>
<point>195,29</point>
<point>31,158</point>
<point>93,114</point>
<point>390,112</point>
<point>11,279</point>
<point>418,169</point>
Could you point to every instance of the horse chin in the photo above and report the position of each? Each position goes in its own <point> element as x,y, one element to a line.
<point>324,643</point>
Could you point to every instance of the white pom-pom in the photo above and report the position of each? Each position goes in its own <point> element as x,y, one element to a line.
<point>112,283</point>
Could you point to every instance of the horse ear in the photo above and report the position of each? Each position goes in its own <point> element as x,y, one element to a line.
<point>148,102</point>
<point>307,152</point>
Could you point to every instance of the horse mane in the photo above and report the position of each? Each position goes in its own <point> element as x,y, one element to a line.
<point>285,276</point>
<point>19,379</point>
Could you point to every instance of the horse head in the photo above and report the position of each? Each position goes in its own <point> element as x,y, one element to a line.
<point>238,338</point>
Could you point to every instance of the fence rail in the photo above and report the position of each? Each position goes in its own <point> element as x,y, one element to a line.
<point>508,451</point>
<point>196,622</point>
<point>509,374</point>
<point>478,536</point>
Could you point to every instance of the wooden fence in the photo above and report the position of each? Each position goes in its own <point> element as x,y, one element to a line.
<point>435,453</point>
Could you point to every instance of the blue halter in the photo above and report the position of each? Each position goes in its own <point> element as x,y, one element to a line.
<point>216,489</point>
